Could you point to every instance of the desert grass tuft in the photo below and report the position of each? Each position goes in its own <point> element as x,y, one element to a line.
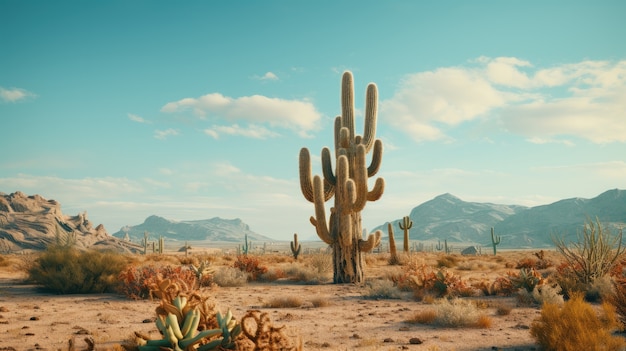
<point>230,277</point>
<point>382,289</point>
<point>284,302</point>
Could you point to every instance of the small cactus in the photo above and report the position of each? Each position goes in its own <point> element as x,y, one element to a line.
<point>295,246</point>
<point>393,258</point>
<point>245,247</point>
<point>145,242</point>
<point>406,225</point>
<point>495,241</point>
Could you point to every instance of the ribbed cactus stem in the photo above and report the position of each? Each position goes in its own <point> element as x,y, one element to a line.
<point>406,225</point>
<point>347,183</point>
<point>393,254</point>
<point>495,241</point>
<point>296,248</point>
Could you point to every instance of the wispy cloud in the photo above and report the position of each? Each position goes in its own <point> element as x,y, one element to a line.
<point>15,94</point>
<point>252,131</point>
<point>583,100</point>
<point>164,134</point>
<point>298,115</point>
<point>133,117</point>
<point>267,76</point>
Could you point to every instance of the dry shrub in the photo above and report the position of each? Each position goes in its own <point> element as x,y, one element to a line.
<point>320,302</point>
<point>503,309</point>
<point>272,275</point>
<point>382,289</point>
<point>135,282</point>
<point>66,270</point>
<point>306,275</point>
<point>284,302</point>
<point>576,326</point>
<point>320,262</point>
<point>250,265</point>
<point>424,317</point>
<point>447,261</point>
<point>230,277</point>
<point>456,313</point>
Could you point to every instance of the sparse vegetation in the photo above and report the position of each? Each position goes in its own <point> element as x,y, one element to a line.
<point>592,256</point>
<point>66,270</point>
<point>453,313</point>
<point>576,326</point>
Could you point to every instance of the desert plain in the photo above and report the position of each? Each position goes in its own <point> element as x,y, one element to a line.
<point>325,316</point>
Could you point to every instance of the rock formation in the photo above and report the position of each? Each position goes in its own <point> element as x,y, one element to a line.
<point>33,223</point>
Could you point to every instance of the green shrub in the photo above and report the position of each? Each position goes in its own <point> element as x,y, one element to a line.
<point>576,326</point>
<point>66,270</point>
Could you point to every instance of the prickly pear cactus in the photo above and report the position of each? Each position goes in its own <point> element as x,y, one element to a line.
<point>183,319</point>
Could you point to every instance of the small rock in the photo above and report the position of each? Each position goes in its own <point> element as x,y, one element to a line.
<point>148,320</point>
<point>3,309</point>
<point>415,341</point>
<point>404,329</point>
<point>356,336</point>
<point>388,340</point>
<point>34,318</point>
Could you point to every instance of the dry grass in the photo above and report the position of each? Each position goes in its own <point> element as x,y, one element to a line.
<point>284,302</point>
<point>576,326</point>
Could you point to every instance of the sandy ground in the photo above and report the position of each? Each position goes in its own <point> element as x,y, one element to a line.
<point>33,320</point>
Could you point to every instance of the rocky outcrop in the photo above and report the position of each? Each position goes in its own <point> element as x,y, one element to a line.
<point>33,223</point>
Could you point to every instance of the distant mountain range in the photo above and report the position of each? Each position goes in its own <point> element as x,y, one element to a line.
<point>214,229</point>
<point>446,217</point>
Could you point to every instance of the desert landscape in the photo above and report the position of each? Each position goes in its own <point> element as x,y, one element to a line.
<point>296,294</point>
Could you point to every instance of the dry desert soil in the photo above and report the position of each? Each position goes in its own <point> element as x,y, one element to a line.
<point>31,319</point>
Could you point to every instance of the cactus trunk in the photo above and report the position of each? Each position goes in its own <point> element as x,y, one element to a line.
<point>347,184</point>
<point>406,225</point>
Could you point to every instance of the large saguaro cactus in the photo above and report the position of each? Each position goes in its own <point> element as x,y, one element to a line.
<point>406,225</point>
<point>348,184</point>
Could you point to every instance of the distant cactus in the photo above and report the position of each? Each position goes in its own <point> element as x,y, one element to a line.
<point>444,247</point>
<point>145,243</point>
<point>161,244</point>
<point>495,241</point>
<point>406,225</point>
<point>245,247</point>
<point>295,246</point>
<point>393,258</point>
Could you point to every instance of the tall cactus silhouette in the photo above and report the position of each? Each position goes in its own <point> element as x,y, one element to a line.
<point>405,225</point>
<point>348,184</point>
<point>296,248</point>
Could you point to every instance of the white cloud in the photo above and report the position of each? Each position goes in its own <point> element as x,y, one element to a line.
<point>267,76</point>
<point>14,94</point>
<point>164,134</point>
<point>298,115</point>
<point>252,131</point>
<point>138,119</point>
<point>584,100</point>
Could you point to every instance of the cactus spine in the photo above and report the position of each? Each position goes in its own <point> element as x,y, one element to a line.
<point>405,225</point>
<point>295,246</point>
<point>348,184</point>
<point>495,241</point>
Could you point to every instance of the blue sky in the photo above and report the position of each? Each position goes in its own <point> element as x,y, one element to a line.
<point>197,109</point>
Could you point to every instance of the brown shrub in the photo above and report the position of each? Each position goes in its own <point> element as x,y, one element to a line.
<point>576,326</point>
